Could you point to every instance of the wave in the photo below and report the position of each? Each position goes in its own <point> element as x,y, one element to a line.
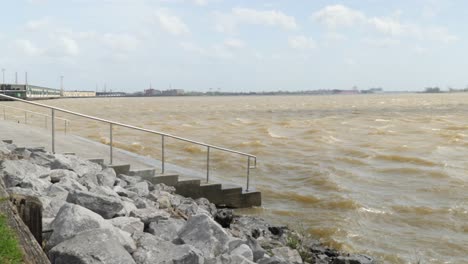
<point>406,159</point>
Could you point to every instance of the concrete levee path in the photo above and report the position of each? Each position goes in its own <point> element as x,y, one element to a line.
<point>190,183</point>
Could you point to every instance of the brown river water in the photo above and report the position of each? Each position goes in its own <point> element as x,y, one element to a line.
<point>384,175</point>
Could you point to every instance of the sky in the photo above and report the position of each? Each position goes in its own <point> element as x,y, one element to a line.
<point>203,45</point>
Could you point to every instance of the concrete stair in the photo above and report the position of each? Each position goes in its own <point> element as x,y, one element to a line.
<point>222,195</point>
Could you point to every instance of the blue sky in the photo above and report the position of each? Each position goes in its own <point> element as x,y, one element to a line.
<point>236,45</point>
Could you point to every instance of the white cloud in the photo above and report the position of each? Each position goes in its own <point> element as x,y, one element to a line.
<point>120,42</point>
<point>301,42</point>
<point>39,24</point>
<point>229,22</point>
<point>234,43</point>
<point>63,46</point>
<point>200,2</point>
<point>382,42</point>
<point>27,47</point>
<point>171,23</point>
<point>334,16</point>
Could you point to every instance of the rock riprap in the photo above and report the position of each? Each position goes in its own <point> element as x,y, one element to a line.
<point>97,216</point>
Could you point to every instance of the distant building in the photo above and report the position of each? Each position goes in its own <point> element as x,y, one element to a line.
<point>173,92</point>
<point>151,92</point>
<point>79,94</point>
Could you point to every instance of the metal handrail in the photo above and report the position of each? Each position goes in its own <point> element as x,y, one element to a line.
<point>66,121</point>
<point>163,136</point>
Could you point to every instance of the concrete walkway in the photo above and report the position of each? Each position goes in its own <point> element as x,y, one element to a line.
<point>188,182</point>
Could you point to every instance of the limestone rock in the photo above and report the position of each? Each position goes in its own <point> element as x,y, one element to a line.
<point>41,158</point>
<point>130,180</point>
<point>106,177</point>
<point>17,172</point>
<point>71,184</point>
<point>243,250</point>
<point>57,175</point>
<point>272,260</point>
<point>205,234</point>
<point>76,164</point>
<point>257,250</point>
<point>153,251</point>
<point>91,247</point>
<point>166,229</point>
<point>288,254</point>
<point>73,219</point>
<point>224,217</point>
<point>106,206</point>
<point>141,188</point>
<point>148,215</point>
<point>207,206</point>
<point>128,224</point>
<point>353,259</point>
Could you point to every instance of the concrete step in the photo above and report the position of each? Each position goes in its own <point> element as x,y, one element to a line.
<point>143,172</point>
<point>97,161</point>
<point>69,153</point>
<point>120,168</point>
<point>251,198</point>
<point>167,179</point>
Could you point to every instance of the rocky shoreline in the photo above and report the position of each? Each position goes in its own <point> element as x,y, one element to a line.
<point>92,215</point>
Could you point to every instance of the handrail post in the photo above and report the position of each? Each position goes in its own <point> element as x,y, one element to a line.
<point>248,174</point>
<point>207,164</point>
<point>4,115</point>
<point>25,117</point>
<point>162,155</point>
<point>110,143</point>
<point>65,127</point>
<point>53,130</point>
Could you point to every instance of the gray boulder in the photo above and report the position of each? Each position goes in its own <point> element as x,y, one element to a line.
<point>71,184</point>
<point>288,254</point>
<point>154,251</point>
<point>22,191</point>
<point>148,215</point>
<point>205,234</point>
<point>353,259</point>
<point>41,158</point>
<point>272,260</point>
<point>76,164</point>
<point>73,219</point>
<point>91,247</point>
<point>244,251</point>
<point>17,172</point>
<point>128,224</point>
<point>106,177</point>
<point>141,188</point>
<point>166,229</point>
<point>130,180</point>
<point>258,251</point>
<point>106,206</point>
<point>57,175</point>
<point>88,179</point>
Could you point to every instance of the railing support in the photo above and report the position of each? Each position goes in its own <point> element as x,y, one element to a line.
<point>110,143</point>
<point>162,155</point>
<point>248,174</point>
<point>207,164</point>
<point>25,117</point>
<point>53,130</point>
<point>65,127</point>
<point>4,115</point>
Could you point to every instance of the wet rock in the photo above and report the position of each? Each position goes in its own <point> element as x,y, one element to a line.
<point>205,234</point>
<point>224,217</point>
<point>352,259</point>
<point>128,224</point>
<point>106,177</point>
<point>57,175</point>
<point>92,246</point>
<point>277,230</point>
<point>105,206</point>
<point>166,229</point>
<point>152,250</point>
<point>288,254</point>
<point>148,215</point>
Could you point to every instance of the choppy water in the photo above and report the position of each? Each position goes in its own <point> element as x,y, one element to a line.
<point>384,175</point>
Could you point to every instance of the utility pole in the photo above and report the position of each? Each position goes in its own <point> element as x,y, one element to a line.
<point>26,78</point>
<point>61,85</point>
<point>3,73</point>
<point>16,77</point>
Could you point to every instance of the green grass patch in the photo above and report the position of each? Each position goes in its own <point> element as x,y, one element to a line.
<point>10,252</point>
